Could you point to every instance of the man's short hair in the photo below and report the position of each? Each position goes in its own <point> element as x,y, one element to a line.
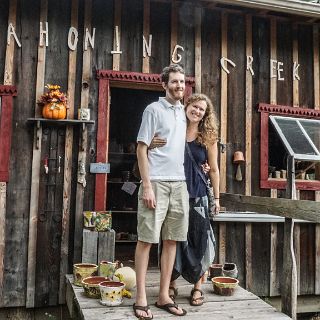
<point>171,68</point>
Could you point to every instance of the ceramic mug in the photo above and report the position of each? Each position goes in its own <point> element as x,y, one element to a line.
<point>111,293</point>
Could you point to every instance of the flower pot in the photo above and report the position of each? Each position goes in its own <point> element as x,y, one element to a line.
<point>91,286</point>
<point>230,270</point>
<point>215,270</point>
<point>54,110</point>
<point>224,286</point>
<point>111,293</point>
<point>83,270</point>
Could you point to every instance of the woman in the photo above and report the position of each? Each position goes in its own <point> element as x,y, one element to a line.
<point>195,255</point>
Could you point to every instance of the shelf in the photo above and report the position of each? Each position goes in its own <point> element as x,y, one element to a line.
<point>72,122</point>
<point>61,122</point>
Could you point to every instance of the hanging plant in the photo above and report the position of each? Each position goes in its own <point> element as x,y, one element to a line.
<point>53,103</point>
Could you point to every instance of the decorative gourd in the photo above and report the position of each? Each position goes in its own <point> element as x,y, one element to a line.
<point>53,103</point>
<point>126,275</point>
<point>54,111</point>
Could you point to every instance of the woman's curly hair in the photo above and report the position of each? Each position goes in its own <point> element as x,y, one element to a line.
<point>209,125</point>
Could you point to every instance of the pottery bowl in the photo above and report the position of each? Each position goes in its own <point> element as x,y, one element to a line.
<point>224,286</point>
<point>91,286</point>
<point>83,270</point>
<point>111,293</point>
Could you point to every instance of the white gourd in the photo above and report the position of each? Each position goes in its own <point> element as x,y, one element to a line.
<point>126,275</point>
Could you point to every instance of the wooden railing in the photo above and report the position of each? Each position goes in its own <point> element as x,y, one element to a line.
<point>291,210</point>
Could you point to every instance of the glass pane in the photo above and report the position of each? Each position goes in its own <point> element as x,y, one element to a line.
<point>295,136</point>
<point>313,130</point>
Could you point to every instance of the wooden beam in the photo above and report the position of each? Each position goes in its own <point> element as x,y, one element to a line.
<point>296,242</point>
<point>273,259</point>
<point>224,103</point>
<point>289,273</point>
<point>8,80</point>
<point>248,254</point>
<point>35,172</point>
<point>295,56</point>
<point>82,156</point>
<point>273,56</point>
<point>197,49</point>
<point>67,175</point>
<point>295,209</point>
<point>146,32</point>
<point>174,26</point>
<point>248,126</point>
<point>222,242</point>
<point>117,22</point>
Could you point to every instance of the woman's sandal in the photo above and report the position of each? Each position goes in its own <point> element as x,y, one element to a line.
<point>175,293</point>
<point>167,306</point>
<point>141,308</point>
<point>196,301</point>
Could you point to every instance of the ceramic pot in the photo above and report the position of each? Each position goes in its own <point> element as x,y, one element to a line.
<point>91,286</point>
<point>230,270</point>
<point>54,110</point>
<point>83,270</point>
<point>215,270</point>
<point>224,286</point>
<point>103,220</point>
<point>108,268</point>
<point>111,293</point>
<point>89,219</point>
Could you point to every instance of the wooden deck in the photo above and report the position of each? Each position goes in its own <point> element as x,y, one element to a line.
<point>242,305</point>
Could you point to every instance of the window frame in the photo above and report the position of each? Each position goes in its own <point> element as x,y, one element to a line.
<point>265,111</point>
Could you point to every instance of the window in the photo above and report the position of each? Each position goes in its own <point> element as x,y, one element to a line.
<point>289,131</point>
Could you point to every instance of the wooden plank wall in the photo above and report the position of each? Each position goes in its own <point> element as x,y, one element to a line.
<point>206,36</point>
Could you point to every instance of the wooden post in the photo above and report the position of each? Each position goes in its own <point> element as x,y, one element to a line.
<point>36,160</point>
<point>82,156</point>
<point>295,55</point>
<point>222,242</point>
<point>66,202</point>
<point>273,56</point>
<point>8,80</point>
<point>146,31</point>
<point>289,275</point>
<point>3,190</point>
<point>224,103</point>
<point>316,75</point>
<point>117,23</point>
<point>197,50</point>
<point>248,227</point>
<point>174,26</point>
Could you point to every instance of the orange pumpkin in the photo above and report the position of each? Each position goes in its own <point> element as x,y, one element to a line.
<point>54,111</point>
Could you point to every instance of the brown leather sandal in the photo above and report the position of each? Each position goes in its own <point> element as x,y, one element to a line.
<point>142,308</point>
<point>196,302</point>
<point>175,293</point>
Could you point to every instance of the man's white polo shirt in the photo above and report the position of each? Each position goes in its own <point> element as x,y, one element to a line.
<point>169,122</point>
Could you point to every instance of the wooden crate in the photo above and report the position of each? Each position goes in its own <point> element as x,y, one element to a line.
<point>98,246</point>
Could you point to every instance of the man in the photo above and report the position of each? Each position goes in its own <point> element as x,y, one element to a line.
<point>163,204</point>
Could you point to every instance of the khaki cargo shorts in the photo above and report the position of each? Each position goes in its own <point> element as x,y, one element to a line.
<point>171,215</point>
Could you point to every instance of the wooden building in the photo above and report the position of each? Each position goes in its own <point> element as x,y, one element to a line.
<point>252,58</point>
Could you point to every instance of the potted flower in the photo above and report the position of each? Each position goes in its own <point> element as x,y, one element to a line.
<point>53,103</point>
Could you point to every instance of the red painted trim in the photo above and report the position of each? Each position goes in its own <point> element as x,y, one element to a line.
<point>102,143</point>
<point>5,135</point>
<point>106,79</point>
<point>137,77</point>
<point>289,111</point>
<point>266,110</point>
<point>8,90</point>
<point>300,185</point>
<point>264,146</point>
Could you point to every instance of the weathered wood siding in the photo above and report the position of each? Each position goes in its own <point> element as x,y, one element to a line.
<point>170,23</point>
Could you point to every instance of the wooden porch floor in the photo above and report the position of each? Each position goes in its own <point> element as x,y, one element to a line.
<point>242,305</point>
